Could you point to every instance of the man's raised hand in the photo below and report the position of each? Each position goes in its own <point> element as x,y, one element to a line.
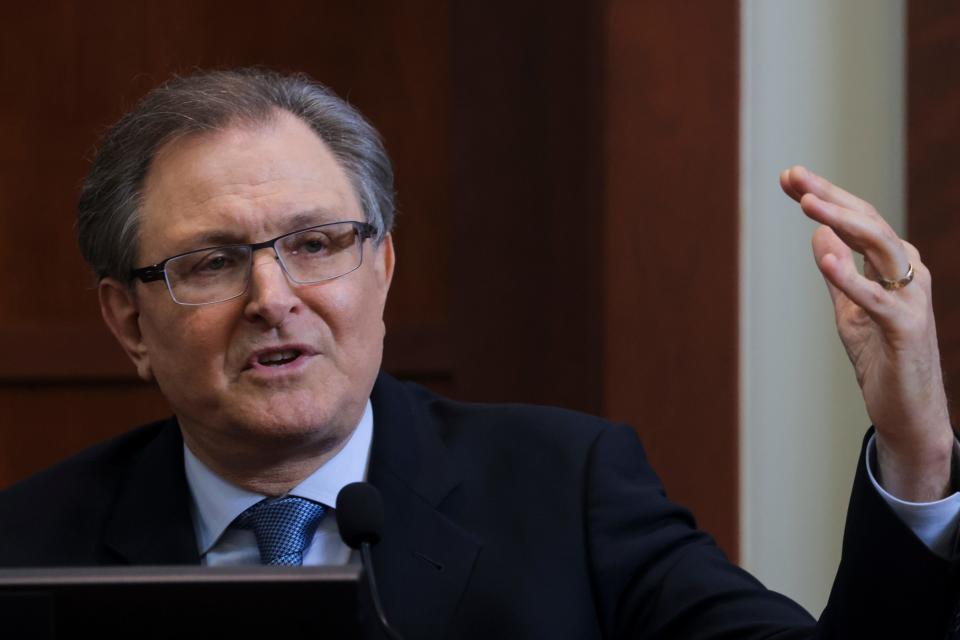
<point>888,331</point>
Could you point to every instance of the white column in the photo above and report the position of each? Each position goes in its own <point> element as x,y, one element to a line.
<point>822,85</point>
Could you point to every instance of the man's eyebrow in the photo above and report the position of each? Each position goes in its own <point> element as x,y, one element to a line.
<point>312,218</point>
<point>211,238</point>
<point>216,237</point>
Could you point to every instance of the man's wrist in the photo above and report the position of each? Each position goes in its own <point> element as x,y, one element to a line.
<point>918,474</point>
<point>934,522</point>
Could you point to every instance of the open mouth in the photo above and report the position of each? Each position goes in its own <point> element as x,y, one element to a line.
<point>278,358</point>
<point>281,357</point>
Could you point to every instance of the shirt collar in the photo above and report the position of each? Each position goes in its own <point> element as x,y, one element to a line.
<point>216,502</point>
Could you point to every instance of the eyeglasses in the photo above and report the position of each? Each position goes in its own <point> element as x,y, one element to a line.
<point>218,274</point>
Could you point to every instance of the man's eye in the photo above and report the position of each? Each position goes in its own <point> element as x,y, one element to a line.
<point>215,263</point>
<point>314,246</point>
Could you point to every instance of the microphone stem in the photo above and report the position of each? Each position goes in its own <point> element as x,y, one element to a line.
<point>375,593</point>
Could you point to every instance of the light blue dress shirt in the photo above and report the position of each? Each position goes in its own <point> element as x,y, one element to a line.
<point>216,503</point>
<point>933,522</point>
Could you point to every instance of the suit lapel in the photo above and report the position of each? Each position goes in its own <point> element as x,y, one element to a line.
<point>150,522</point>
<point>424,560</point>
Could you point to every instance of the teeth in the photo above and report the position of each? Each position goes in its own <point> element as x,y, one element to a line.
<point>278,356</point>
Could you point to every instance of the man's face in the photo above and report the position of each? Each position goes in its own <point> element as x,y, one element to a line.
<point>249,184</point>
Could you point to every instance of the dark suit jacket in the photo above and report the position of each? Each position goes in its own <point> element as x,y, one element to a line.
<point>502,522</point>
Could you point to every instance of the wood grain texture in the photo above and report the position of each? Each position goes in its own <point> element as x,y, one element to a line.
<point>671,246</point>
<point>527,202</point>
<point>933,164</point>
<point>44,423</point>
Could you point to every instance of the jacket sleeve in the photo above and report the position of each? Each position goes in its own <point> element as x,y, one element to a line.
<point>655,575</point>
<point>889,584</point>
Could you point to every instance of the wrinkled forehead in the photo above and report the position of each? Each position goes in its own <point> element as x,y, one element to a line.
<point>247,181</point>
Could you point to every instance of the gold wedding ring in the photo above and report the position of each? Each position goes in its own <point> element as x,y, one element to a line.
<point>893,285</point>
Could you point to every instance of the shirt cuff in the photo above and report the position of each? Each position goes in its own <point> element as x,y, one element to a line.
<point>935,523</point>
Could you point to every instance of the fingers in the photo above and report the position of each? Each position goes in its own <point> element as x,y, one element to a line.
<point>853,220</point>
<point>843,279</point>
<point>826,242</point>
<point>847,286</point>
<point>868,235</point>
<point>913,254</point>
<point>801,180</point>
<point>787,185</point>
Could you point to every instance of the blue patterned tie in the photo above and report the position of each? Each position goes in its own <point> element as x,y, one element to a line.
<point>283,528</point>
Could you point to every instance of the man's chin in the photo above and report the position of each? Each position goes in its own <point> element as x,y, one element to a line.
<point>283,437</point>
<point>290,417</point>
<point>284,424</point>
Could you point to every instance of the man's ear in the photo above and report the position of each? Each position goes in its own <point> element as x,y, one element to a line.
<point>118,305</point>
<point>385,258</point>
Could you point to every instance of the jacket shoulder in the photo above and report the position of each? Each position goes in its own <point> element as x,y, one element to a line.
<point>68,500</point>
<point>94,464</point>
<point>525,427</point>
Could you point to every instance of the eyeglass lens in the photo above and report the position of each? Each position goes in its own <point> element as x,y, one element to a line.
<point>222,273</point>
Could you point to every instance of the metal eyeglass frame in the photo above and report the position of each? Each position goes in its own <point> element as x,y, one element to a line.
<point>158,271</point>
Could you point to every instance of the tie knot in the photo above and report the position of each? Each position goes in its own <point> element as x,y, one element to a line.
<point>283,527</point>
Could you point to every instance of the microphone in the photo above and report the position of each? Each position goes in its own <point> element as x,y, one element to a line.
<point>360,519</point>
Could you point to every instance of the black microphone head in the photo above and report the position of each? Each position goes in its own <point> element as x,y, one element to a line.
<point>359,514</point>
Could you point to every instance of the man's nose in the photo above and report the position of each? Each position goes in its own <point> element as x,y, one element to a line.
<point>271,297</point>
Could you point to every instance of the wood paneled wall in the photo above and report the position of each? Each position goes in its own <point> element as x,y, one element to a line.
<point>933,165</point>
<point>671,249</point>
<point>567,189</point>
<point>527,138</point>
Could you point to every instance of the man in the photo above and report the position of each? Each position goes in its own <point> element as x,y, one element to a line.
<point>239,223</point>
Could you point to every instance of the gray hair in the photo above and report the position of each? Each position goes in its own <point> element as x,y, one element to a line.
<point>108,211</point>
